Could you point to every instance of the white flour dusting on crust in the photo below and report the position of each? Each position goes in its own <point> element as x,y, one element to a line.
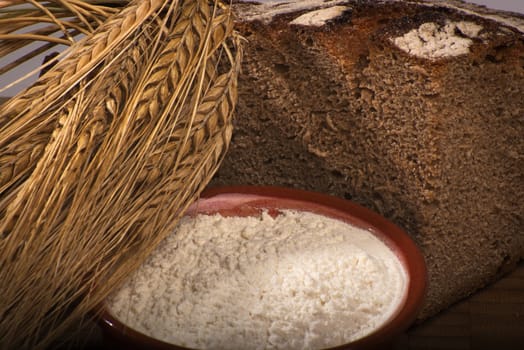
<point>434,41</point>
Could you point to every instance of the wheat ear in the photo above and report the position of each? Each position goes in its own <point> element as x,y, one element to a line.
<point>117,169</point>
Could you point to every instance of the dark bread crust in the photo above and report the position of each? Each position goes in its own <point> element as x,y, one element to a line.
<point>437,146</point>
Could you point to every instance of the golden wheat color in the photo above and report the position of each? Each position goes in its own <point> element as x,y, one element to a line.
<point>102,155</point>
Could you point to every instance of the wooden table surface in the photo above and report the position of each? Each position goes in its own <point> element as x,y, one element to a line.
<point>491,319</point>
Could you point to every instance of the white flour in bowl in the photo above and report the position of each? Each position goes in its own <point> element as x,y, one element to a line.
<point>297,281</point>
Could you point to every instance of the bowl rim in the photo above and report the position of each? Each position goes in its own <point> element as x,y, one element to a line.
<point>390,234</point>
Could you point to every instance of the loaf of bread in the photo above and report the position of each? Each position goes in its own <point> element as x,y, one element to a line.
<point>413,109</point>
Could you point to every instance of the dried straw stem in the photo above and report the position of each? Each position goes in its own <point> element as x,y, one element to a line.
<point>95,174</point>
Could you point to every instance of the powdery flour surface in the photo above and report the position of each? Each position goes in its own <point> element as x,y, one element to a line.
<point>297,281</point>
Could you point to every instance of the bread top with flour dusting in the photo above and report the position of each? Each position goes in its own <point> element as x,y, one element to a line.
<point>431,38</point>
<point>267,10</point>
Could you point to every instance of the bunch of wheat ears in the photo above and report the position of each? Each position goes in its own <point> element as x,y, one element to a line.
<point>102,155</point>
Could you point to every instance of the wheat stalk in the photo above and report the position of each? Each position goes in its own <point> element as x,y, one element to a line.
<point>95,174</point>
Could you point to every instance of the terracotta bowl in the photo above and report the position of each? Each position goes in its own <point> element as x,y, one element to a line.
<point>251,200</point>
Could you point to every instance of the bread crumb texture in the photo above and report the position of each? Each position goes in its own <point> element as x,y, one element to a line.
<point>433,144</point>
<point>434,41</point>
<point>295,281</point>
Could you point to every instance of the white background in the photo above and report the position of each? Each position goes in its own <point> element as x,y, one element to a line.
<point>508,5</point>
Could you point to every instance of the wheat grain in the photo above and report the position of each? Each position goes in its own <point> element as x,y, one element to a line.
<point>115,166</point>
